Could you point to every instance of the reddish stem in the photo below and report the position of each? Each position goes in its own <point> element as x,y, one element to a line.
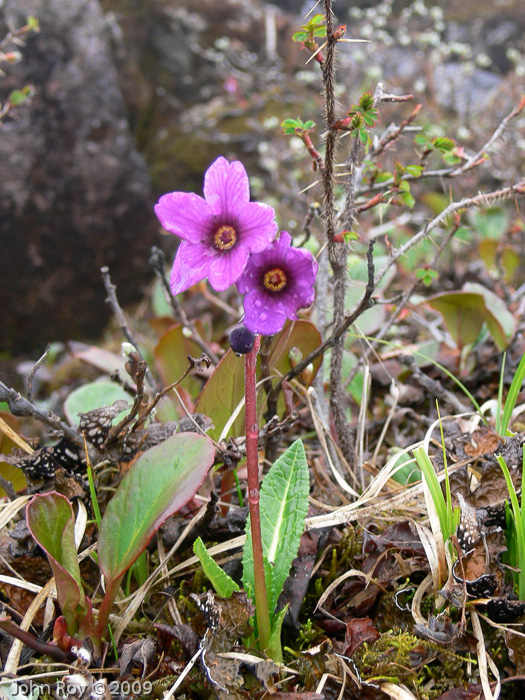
<point>252,463</point>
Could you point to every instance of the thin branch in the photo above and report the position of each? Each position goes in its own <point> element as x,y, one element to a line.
<point>157,261</point>
<point>348,320</point>
<point>455,170</point>
<point>479,200</point>
<point>19,406</point>
<point>115,307</point>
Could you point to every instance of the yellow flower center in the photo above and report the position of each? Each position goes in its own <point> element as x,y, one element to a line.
<point>225,237</point>
<point>275,279</point>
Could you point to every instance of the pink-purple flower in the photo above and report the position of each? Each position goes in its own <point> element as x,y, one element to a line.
<point>277,282</point>
<point>220,231</point>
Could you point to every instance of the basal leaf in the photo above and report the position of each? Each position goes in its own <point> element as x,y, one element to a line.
<point>283,505</point>
<point>160,482</point>
<point>498,318</point>
<point>94,395</point>
<point>463,314</point>
<point>223,584</point>
<point>51,521</point>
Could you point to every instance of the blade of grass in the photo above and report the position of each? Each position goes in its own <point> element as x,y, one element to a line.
<point>518,518</point>
<point>512,396</point>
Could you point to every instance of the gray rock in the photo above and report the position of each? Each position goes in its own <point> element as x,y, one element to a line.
<point>74,192</point>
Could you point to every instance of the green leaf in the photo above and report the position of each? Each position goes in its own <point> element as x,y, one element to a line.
<point>283,505</point>
<point>95,395</point>
<point>51,521</point>
<point>224,390</point>
<point>160,482</point>
<point>414,170</point>
<point>274,648</point>
<point>463,314</point>
<point>223,584</point>
<point>299,36</point>
<point>500,322</point>
<point>221,395</point>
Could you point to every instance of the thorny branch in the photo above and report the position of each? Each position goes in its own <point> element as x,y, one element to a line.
<point>465,203</point>
<point>352,317</point>
<point>455,170</point>
<point>337,252</point>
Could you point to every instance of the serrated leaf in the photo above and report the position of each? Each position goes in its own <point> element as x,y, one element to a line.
<point>223,584</point>
<point>299,36</point>
<point>51,521</point>
<point>161,481</point>
<point>283,506</point>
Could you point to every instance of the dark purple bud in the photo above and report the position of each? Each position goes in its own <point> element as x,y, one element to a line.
<point>241,340</point>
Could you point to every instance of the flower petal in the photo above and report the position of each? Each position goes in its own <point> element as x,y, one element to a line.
<point>227,267</point>
<point>303,265</point>
<point>230,182</point>
<point>298,297</point>
<point>191,265</point>
<point>185,214</point>
<point>263,314</point>
<point>257,226</point>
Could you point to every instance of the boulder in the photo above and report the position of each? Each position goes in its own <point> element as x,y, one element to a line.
<point>74,192</point>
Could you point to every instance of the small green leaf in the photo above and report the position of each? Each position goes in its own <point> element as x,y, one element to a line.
<point>283,505</point>
<point>414,170</point>
<point>160,482</point>
<point>426,276</point>
<point>299,36</point>
<point>223,584</point>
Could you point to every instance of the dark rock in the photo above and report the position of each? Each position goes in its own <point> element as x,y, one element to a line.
<point>74,192</point>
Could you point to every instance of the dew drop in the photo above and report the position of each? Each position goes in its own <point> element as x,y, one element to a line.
<point>263,316</point>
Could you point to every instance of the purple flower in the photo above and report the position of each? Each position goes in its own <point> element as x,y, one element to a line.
<point>277,283</point>
<point>220,231</point>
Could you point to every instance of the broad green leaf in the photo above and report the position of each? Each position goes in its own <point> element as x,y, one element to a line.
<point>463,314</point>
<point>283,506</point>
<point>51,521</point>
<point>160,482</point>
<point>500,321</point>
<point>223,584</point>
<point>221,395</point>
<point>224,390</point>
<point>95,395</point>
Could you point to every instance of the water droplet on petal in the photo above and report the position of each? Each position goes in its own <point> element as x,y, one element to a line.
<point>263,316</point>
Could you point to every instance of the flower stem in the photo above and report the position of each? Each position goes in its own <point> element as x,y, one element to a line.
<point>252,459</point>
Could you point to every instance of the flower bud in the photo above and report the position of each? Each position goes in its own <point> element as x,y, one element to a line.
<point>241,340</point>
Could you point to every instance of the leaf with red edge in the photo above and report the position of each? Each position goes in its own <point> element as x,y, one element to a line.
<point>51,521</point>
<point>161,481</point>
